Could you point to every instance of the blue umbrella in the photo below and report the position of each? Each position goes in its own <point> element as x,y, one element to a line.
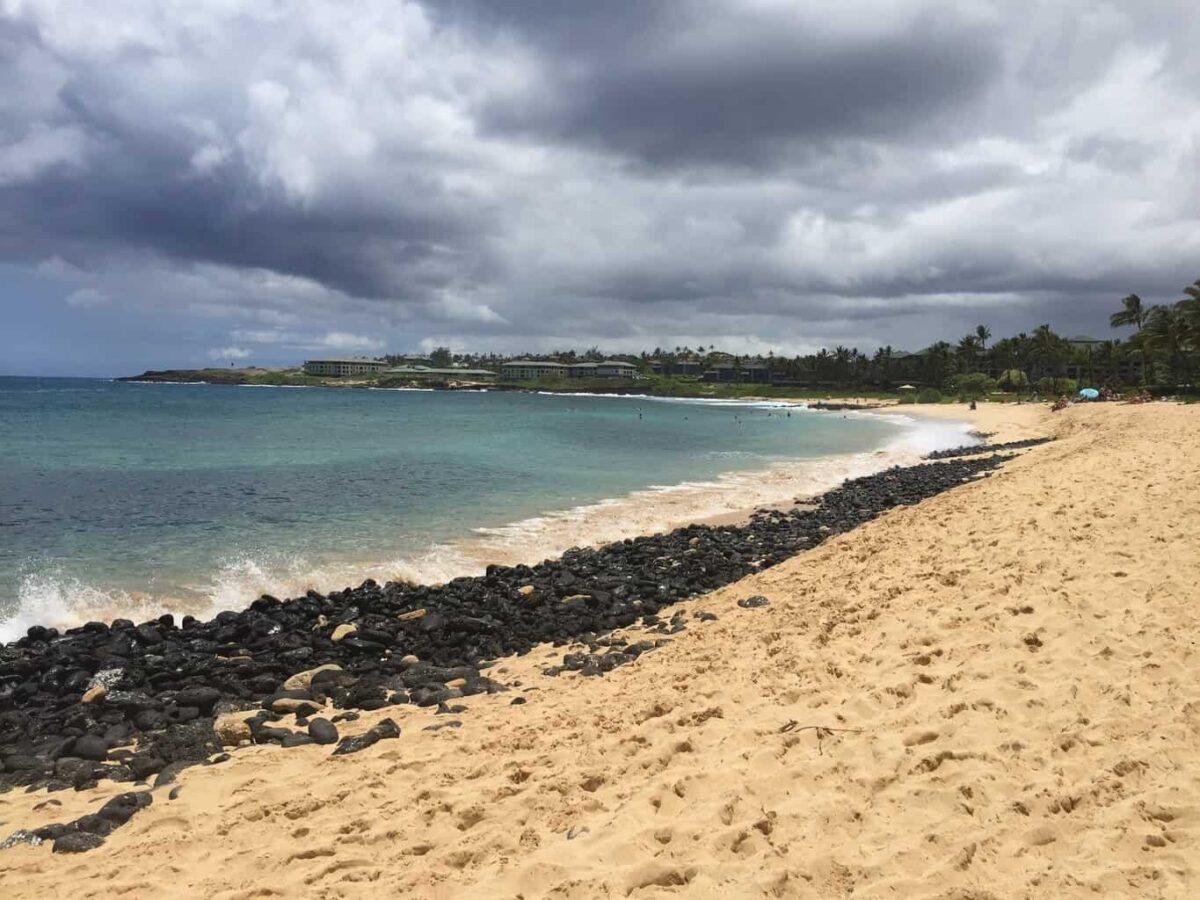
<point>1089,394</point>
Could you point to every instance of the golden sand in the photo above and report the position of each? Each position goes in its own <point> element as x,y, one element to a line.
<point>992,694</point>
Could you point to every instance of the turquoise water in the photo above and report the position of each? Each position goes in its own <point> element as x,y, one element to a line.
<point>156,495</point>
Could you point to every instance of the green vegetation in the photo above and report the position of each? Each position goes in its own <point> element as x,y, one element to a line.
<point>1057,387</point>
<point>1162,355</point>
<point>1012,380</point>
<point>973,386</point>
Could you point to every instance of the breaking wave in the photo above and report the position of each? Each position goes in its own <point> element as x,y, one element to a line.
<point>48,598</point>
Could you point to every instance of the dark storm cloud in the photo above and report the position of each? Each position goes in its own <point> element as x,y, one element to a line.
<point>140,190</point>
<point>537,173</point>
<point>748,93</point>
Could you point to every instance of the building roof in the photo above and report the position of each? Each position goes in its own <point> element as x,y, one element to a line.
<point>534,362</point>
<point>373,362</point>
<point>617,362</point>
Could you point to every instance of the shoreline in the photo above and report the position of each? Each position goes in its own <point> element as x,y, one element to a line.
<point>984,693</point>
<point>461,625</point>
<point>729,498</point>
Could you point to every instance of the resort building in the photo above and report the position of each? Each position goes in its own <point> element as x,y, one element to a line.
<point>615,368</point>
<point>431,373</point>
<point>752,370</point>
<point>338,367</point>
<point>532,370</point>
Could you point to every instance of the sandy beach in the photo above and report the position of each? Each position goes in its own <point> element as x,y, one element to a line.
<point>990,694</point>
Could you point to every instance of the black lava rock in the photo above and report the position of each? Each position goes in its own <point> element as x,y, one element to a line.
<point>322,731</point>
<point>76,842</point>
<point>986,448</point>
<point>384,729</point>
<point>166,682</point>
<point>90,747</point>
<point>121,808</point>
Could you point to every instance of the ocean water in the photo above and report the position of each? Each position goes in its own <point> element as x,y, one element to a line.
<point>121,499</point>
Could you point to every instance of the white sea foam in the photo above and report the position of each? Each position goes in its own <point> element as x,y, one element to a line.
<point>693,401</point>
<point>139,381</point>
<point>301,386</point>
<point>48,598</point>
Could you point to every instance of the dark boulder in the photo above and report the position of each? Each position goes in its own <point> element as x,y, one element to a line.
<point>76,842</point>
<point>322,731</point>
<point>90,747</point>
<point>354,743</point>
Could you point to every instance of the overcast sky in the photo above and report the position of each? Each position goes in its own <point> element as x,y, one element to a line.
<point>189,182</point>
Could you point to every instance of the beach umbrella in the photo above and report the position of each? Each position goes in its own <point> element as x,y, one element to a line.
<point>906,387</point>
<point>1089,394</point>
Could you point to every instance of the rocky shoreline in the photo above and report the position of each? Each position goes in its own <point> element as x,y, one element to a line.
<point>177,693</point>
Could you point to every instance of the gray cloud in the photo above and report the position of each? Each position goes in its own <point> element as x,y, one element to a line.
<point>757,89</point>
<point>530,174</point>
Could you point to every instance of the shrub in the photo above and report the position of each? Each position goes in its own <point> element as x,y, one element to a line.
<point>1056,387</point>
<point>929,395</point>
<point>972,386</point>
<point>1013,380</point>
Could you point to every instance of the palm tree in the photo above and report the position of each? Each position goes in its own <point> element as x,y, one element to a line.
<point>1193,291</point>
<point>967,350</point>
<point>938,363</point>
<point>1048,350</point>
<point>1168,332</point>
<point>1190,306</point>
<point>983,334</point>
<point>1132,313</point>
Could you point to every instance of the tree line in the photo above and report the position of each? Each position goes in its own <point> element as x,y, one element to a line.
<point>1163,352</point>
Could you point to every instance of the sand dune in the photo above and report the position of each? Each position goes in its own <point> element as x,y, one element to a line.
<point>992,694</point>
